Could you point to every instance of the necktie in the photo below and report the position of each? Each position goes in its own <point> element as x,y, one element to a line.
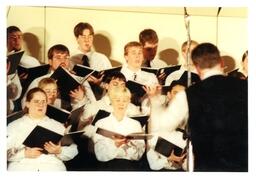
<point>148,63</point>
<point>85,61</point>
<point>134,76</point>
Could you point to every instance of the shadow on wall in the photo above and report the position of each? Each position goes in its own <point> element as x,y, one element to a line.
<point>229,63</point>
<point>101,44</point>
<point>33,45</point>
<point>169,55</point>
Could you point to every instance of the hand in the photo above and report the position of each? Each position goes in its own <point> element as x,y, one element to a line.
<point>78,93</point>
<point>120,141</point>
<point>152,90</point>
<point>161,78</point>
<point>176,159</point>
<point>95,80</point>
<point>23,76</point>
<point>52,148</point>
<point>33,152</point>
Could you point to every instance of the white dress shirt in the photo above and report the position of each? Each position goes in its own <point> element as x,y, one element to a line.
<point>105,148</point>
<point>18,130</point>
<point>142,77</point>
<point>157,63</point>
<point>97,61</point>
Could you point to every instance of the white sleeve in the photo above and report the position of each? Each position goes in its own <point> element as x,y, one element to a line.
<point>89,93</point>
<point>155,160</point>
<point>173,115</point>
<point>134,149</point>
<point>68,152</point>
<point>105,148</point>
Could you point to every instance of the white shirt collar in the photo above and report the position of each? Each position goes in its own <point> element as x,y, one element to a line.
<point>211,72</point>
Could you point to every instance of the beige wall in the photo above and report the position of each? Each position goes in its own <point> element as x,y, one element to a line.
<point>44,27</point>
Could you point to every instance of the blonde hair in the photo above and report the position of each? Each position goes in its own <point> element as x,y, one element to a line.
<point>46,81</point>
<point>119,92</point>
<point>130,45</point>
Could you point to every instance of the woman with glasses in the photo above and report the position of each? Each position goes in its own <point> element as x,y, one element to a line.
<point>22,158</point>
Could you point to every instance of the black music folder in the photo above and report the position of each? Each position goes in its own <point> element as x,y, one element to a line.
<point>184,78</point>
<point>167,70</point>
<point>14,116</point>
<point>135,88</point>
<point>66,82</point>
<point>34,72</point>
<point>131,136</point>
<point>100,115</point>
<point>165,147</point>
<point>62,115</point>
<point>39,135</point>
<point>137,92</point>
<point>14,60</point>
<point>143,119</point>
<point>83,71</point>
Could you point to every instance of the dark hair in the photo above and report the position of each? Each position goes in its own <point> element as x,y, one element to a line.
<point>80,27</point>
<point>131,44</point>
<point>57,48</point>
<point>115,75</point>
<point>32,91</point>
<point>148,35</point>
<point>12,29</point>
<point>245,55</point>
<point>30,96</point>
<point>206,55</point>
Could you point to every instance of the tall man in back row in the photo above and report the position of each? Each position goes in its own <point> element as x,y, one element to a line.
<point>216,112</point>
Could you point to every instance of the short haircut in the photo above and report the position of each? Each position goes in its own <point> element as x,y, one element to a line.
<point>57,48</point>
<point>131,44</point>
<point>245,55</point>
<point>80,27</point>
<point>115,75</point>
<point>206,55</point>
<point>12,29</point>
<point>148,35</point>
<point>184,45</point>
<point>46,81</point>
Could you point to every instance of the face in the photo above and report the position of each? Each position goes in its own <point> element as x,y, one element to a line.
<point>85,40</point>
<point>14,41</point>
<point>245,64</point>
<point>177,88</point>
<point>134,57</point>
<point>184,53</point>
<point>37,105</point>
<point>59,59</point>
<point>51,92</point>
<point>149,51</point>
<point>115,83</point>
<point>120,103</point>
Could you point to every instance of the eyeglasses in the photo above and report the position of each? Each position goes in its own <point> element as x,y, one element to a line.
<point>39,102</point>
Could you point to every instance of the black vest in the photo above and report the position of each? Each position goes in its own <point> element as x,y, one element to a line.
<point>218,122</point>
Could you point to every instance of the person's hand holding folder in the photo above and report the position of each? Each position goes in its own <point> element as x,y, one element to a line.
<point>33,152</point>
<point>52,148</point>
